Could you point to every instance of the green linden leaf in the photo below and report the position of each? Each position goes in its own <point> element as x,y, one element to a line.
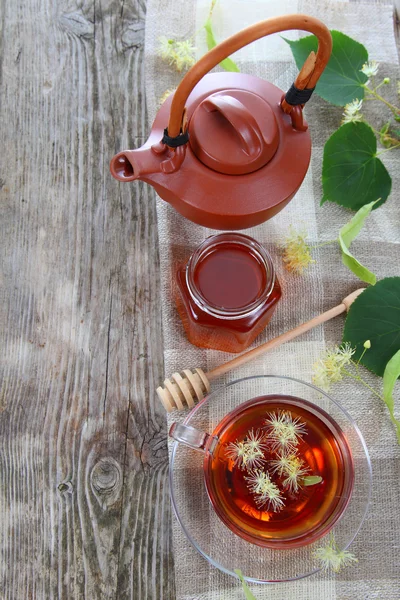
<point>347,234</point>
<point>226,64</point>
<point>342,80</point>
<point>311,480</point>
<point>375,316</point>
<point>390,376</point>
<point>352,175</point>
<point>247,592</point>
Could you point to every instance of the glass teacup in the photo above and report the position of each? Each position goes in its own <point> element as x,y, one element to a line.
<point>278,470</point>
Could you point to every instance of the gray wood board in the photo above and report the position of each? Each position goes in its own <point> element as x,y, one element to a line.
<point>84,500</point>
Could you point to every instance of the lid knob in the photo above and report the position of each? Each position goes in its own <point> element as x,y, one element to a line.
<point>234,132</point>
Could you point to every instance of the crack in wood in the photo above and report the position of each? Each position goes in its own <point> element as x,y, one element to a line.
<point>107,352</point>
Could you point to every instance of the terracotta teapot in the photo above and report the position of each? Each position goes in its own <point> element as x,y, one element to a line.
<point>230,150</point>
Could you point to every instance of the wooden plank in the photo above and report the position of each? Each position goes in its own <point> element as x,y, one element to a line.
<point>396,18</point>
<point>83,461</point>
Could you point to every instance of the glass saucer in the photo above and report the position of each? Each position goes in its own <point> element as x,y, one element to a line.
<point>207,532</point>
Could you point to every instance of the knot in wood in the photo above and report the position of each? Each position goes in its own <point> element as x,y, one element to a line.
<point>133,35</point>
<point>65,487</point>
<point>106,481</point>
<point>77,24</point>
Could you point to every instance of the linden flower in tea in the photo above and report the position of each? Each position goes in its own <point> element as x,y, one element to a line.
<point>248,453</point>
<point>281,464</point>
<point>236,451</point>
<point>256,441</point>
<point>284,431</point>
<point>267,493</point>
<point>292,468</point>
<point>253,458</point>
<point>294,474</point>
<point>271,460</point>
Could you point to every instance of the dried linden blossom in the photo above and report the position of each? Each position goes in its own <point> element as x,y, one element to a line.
<point>248,453</point>
<point>253,458</point>
<point>329,368</point>
<point>180,54</point>
<point>236,451</point>
<point>292,468</point>
<point>284,431</point>
<point>294,474</point>
<point>256,441</point>
<point>331,557</point>
<point>267,494</point>
<point>351,112</point>
<point>296,252</point>
<point>281,464</point>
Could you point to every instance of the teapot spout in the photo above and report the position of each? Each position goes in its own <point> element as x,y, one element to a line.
<point>130,165</point>
<point>122,166</point>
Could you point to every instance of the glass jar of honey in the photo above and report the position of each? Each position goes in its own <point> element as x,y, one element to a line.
<point>227,292</point>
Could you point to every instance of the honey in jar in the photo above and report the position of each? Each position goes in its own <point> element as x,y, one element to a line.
<point>227,292</point>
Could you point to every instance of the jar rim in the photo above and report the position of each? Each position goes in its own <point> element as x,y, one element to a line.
<point>264,258</point>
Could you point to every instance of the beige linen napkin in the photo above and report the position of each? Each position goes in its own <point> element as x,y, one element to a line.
<point>322,286</point>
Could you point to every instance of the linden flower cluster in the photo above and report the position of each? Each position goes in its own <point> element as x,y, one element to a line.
<point>330,368</point>
<point>295,252</point>
<point>267,493</point>
<point>351,112</point>
<point>370,68</point>
<point>285,433</point>
<point>331,557</point>
<point>280,439</point>
<point>180,54</point>
<point>249,453</point>
<point>292,468</point>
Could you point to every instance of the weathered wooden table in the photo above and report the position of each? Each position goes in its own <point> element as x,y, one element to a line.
<point>84,501</point>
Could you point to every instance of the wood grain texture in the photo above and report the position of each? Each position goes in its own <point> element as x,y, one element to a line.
<point>84,501</point>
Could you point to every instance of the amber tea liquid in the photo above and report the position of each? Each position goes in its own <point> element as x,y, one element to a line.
<point>311,511</point>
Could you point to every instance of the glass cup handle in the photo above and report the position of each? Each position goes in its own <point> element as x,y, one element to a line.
<point>190,436</point>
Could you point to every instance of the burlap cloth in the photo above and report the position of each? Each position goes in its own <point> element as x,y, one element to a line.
<point>377,575</point>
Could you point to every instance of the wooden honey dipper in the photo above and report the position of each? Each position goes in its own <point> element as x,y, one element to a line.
<point>188,387</point>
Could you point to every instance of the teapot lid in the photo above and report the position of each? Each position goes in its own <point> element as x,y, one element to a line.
<point>234,132</point>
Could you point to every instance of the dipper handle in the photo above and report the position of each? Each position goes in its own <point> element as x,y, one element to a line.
<point>285,337</point>
<point>191,385</point>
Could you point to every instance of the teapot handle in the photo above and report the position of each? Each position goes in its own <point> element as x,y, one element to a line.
<point>300,91</point>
